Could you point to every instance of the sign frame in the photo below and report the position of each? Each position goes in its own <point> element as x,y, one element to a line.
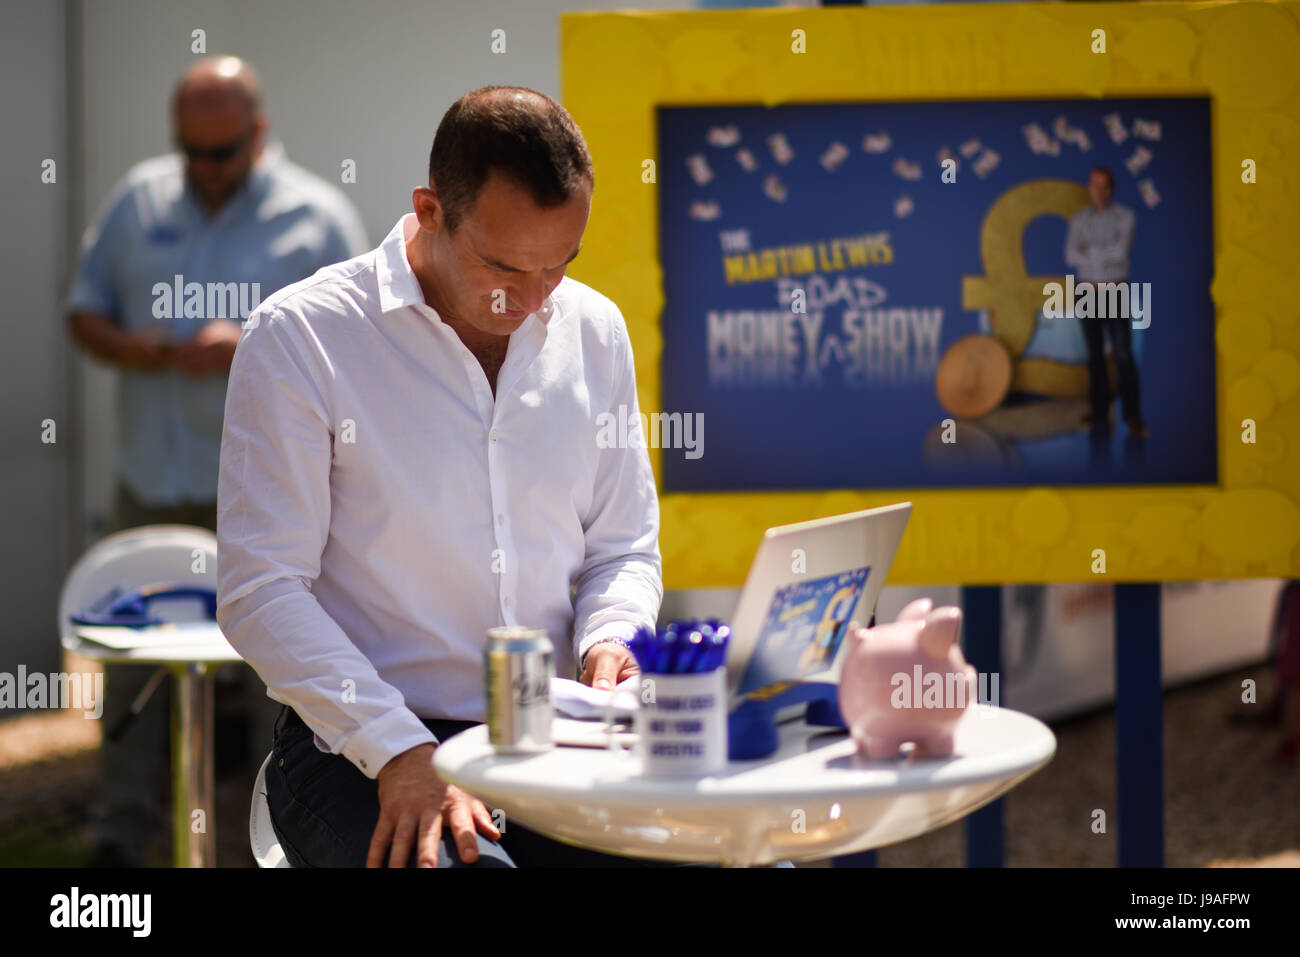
<point>616,68</point>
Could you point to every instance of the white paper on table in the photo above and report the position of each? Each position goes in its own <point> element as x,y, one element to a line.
<point>570,733</point>
<point>577,700</point>
<point>182,634</point>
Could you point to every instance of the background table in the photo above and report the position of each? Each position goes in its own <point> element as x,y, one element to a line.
<point>191,666</point>
<point>813,798</point>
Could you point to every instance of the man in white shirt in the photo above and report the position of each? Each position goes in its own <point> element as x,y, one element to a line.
<point>409,458</point>
<point>1097,247</point>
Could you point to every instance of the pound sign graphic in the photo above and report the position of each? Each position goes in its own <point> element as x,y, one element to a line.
<point>1013,297</point>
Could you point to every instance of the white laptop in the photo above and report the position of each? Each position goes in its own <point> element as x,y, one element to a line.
<point>807,581</point>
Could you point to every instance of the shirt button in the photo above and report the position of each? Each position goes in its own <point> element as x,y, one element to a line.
<point>493,435</point>
<point>501,519</point>
<point>507,601</point>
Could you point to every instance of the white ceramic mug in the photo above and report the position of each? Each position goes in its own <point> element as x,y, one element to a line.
<point>682,724</point>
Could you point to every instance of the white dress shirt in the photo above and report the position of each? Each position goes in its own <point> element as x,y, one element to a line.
<point>379,509</point>
<point>1108,238</point>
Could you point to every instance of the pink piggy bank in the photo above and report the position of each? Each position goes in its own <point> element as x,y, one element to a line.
<point>907,682</point>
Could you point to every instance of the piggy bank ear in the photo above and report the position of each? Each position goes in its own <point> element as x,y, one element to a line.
<point>941,628</point>
<point>917,609</point>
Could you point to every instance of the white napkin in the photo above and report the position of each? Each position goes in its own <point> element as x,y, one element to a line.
<point>577,700</point>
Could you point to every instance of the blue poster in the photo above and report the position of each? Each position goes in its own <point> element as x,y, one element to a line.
<point>803,629</point>
<point>822,261</point>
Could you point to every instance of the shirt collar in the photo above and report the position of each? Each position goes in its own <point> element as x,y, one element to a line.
<point>398,286</point>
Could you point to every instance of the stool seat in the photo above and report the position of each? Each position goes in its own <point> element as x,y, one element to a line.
<point>266,847</point>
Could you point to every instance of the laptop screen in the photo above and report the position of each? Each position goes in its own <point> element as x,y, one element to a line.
<point>807,581</point>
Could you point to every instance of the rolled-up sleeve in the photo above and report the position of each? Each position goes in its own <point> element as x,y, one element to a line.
<point>273,505</point>
<point>94,284</point>
<point>620,585</point>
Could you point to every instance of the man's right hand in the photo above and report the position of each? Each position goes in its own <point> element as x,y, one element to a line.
<point>413,805</point>
<point>142,350</point>
<point>105,339</point>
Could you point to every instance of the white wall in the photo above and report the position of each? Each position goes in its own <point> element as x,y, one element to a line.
<point>34,358</point>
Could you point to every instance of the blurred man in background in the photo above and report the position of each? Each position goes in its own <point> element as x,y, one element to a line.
<point>1097,247</point>
<point>185,248</point>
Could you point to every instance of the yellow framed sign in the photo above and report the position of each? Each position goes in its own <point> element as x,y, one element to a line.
<point>871,249</point>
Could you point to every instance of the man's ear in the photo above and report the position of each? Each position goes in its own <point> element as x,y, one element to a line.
<point>258,134</point>
<point>427,208</point>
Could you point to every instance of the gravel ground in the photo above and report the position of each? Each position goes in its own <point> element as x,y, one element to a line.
<point>1227,804</point>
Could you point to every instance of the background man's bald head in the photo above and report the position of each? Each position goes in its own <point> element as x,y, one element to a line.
<point>219,126</point>
<point>219,81</point>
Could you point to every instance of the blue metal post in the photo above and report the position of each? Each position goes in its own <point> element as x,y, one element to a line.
<point>1139,746</point>
<point>982,624</point>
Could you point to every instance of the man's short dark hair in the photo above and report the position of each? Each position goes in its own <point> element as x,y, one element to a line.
<point>1110,177</point>
<point>516,131</point>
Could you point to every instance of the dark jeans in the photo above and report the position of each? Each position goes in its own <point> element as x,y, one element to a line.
<point>1119,331</point>
<point>324,812</point>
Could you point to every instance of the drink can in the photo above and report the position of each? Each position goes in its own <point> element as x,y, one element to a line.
<point>518,665</point>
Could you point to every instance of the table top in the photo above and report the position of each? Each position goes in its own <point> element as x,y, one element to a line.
<point>598,797</point>
<point>209,648</point>
<point>810,761</point>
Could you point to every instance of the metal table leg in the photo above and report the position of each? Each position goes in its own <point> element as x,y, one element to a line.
<point>194,839</point>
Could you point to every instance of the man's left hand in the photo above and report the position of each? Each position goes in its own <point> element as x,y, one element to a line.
<point>608,664</point>
<point>212,350</point>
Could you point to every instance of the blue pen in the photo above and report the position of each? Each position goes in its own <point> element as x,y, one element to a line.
<point>650,648</point>
<point>688,661</point>
<point>639,646</point>
<point>719,656</point>
<point>709,629</point>
<point>646,650</point>
<point>667,649</point>
<point>682,650</point>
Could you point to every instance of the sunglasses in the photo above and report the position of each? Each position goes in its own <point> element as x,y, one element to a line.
<point>213,154</point>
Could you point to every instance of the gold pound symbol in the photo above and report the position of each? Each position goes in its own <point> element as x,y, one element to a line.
<point>1012,297</point>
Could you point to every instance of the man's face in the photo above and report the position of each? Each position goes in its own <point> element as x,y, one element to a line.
<point>220,142</point>
<point>507,255</point>
<point>1099,190</point>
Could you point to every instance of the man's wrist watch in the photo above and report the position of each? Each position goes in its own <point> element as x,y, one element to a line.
<point>621,641</point>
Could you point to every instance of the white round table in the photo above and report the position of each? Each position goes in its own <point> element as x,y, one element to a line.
<point>141,556</point>
<point>191,665</point>
<point>814,797</point>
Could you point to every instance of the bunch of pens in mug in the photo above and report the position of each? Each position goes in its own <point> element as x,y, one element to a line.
<point>682,648</point>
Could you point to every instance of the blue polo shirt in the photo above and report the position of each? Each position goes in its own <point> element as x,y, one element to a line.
<point>156,258</point>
